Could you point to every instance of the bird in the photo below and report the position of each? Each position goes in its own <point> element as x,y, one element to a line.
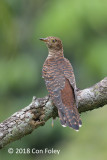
<point>60,83</point>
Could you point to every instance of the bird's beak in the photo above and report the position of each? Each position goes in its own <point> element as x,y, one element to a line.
<point>44,39</point>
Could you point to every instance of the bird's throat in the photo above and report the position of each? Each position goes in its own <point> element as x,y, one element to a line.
<point>55,53</point>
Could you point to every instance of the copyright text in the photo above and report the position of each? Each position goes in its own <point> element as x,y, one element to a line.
<point>33,151</point>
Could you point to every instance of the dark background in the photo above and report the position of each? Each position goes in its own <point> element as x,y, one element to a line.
<point>82,27</point>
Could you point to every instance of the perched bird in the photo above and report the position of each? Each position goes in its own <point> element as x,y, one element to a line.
<point>60,82</point>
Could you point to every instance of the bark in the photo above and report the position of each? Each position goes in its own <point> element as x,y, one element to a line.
<point>40,110</point>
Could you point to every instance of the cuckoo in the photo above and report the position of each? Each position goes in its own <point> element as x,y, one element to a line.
<point>60,82</point>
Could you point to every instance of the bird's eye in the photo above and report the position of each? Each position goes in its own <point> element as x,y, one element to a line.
<point>53,40</point>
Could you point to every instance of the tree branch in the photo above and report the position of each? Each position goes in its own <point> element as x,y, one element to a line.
<point>40,110</point>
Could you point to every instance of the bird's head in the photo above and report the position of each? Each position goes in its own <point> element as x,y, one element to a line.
<point>53,43</point>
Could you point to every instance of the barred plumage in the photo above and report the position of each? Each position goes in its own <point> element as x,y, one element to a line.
<point>60,83</point>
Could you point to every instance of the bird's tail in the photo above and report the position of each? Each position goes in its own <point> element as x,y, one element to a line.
<point>70,118</point>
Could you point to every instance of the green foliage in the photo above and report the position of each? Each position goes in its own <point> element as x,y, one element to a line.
<point>7,31</point>
<point>17,73</point>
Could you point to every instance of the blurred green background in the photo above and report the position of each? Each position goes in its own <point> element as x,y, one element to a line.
<point>82,26</point>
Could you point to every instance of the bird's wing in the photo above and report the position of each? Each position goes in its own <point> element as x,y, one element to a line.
<point>69,73</point>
